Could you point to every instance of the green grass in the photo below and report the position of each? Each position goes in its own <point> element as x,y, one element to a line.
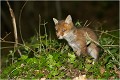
<point>46,58</point>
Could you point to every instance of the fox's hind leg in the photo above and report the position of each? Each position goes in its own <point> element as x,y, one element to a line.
<point>93,51</point>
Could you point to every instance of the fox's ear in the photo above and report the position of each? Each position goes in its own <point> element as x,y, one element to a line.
<point>55,21</point>
<point>68,19</point>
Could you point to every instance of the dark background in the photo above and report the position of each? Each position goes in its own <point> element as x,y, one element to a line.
<point>106,13</point>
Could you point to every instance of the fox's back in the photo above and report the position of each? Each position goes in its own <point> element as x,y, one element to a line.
<point>78,39</point>
<point>83,33</point>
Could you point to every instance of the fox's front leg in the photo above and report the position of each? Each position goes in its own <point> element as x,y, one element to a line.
<point>76,48</point>
<point>78,52</point>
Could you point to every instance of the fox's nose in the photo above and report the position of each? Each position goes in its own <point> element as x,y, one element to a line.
<point>59,36</point>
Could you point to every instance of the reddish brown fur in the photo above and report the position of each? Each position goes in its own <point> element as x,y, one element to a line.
<point>82,39</point>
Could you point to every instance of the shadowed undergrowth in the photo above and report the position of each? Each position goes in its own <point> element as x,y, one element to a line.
<point>43,57</point>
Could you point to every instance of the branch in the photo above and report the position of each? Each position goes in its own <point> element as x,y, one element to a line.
<point>20,21</point>
<point>14,27</point>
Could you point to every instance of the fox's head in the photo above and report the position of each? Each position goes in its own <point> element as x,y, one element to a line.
<point>63,26</point>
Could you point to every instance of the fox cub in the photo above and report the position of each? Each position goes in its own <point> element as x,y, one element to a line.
<point>77,38</point>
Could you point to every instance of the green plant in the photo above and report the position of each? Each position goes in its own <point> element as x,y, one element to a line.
<point>46,58</point>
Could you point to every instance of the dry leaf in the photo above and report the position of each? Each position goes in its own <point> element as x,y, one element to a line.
<point>102,70</point>
<point>81,77</point>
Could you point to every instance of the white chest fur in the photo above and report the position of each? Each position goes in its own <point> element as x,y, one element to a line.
<point>71,39</point>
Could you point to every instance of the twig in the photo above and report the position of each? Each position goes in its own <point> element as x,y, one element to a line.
<point>20,21</point>
<point>45,32</point>
<point>18,44</point>
<point>111,35</point>
<point>14,27</point>
<point>100,35</point>
<point>108,33</point>
<point>91,40</point>
<point>88,24</point>
<point>85,23</point>
<point>7,47</point>
<point>11,42</point>
<point>5,36</point>
<point>110,45</point>
<point>39,34</point>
